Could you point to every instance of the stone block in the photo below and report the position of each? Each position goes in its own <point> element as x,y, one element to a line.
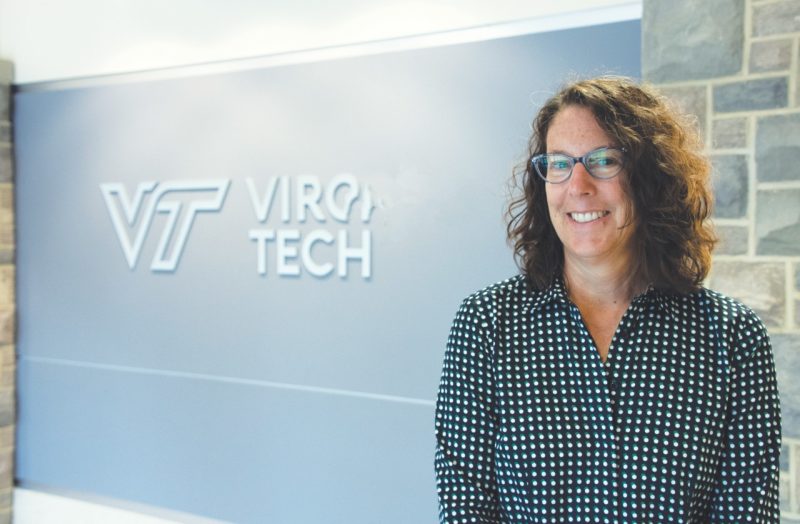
<point>690,100</point>
<point>7,325</point>
<point>7,226</point>
<point>797,79</point>
<point>797,313</point>
<point>5,102</point>
<point>7,355</point>
<point>786,349</point>
<point>6,164</point>
<point>760,285</point>
<point>730,182</point>
<point>752,95</point>
<point>6,196</point>
<point>732,241</point>
<point>772,55</point>
<point>7,376</point>
<point>776,18</point>
<point>692,40</point>
<point>5,132</point>
<point>6,498</point>
<point>7,406</point>
<point>6,468</point>
<point>784,459</point>
<point>784,489</point>
<point>778,222</point>
<point>778,148</point>
<point>7,295</point>
<point>8,436</point>
<point>6,233</point>
<point>729,133</point>
<point>6,72</point>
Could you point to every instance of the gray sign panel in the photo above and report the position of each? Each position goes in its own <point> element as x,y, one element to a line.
<point>235,290</point>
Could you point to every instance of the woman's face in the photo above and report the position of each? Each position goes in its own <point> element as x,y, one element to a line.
<point>588,214</point>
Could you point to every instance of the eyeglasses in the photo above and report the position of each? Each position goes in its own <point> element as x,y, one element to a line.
<point>602,163</point>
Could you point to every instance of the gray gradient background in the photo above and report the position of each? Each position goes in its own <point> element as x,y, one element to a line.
<point>175,390</point>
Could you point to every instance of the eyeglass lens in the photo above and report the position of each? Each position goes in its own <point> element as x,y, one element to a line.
<point>601,163</point>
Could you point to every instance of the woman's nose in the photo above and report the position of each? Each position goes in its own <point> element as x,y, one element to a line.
<point>581,182</point>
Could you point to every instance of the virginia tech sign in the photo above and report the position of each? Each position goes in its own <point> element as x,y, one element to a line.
<point>293,201</point>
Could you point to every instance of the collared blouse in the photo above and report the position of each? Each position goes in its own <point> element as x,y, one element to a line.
<point>680,424</point>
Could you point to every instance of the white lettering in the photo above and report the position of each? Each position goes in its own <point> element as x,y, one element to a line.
<point>291,259</point>
<point>318,235</point>
<point>350,195</point>
<point>286,210</point>
<point>309,200</point>
<point>261,236</point>
<point>131,207</point>
<point>262,207</point>
<point>363,253</point>
<point>285,251</point>
<point>366,204</point>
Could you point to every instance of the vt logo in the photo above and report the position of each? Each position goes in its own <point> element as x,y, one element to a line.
<point>170,198</point>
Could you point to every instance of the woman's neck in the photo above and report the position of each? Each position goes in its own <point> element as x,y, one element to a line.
<point>602,283</point>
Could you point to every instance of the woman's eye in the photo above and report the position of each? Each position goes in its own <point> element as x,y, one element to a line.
<point>602,161</point>
<point>559,163</point>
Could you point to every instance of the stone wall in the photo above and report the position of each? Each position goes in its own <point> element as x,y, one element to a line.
<point>7,301</point>
<point>734,64</point>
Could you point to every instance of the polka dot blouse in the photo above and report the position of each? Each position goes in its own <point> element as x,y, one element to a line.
<point>681,424</point>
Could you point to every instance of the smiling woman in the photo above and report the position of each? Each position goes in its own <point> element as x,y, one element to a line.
<point>589,214</point>
<point>665,179</point>
<point>604,383</point>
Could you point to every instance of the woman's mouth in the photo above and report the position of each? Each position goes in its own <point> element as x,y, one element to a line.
<point>582,218</point>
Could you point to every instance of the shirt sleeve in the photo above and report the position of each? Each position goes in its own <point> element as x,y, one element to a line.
<point>747,484</point>
<point>465,424</point>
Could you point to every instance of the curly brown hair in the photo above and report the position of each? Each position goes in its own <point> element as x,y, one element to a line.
<point>667,184</point>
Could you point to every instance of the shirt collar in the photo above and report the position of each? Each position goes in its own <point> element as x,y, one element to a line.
<point>663,300</point>
<point>557,292</point>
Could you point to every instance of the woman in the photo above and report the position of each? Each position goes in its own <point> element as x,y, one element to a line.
<point>604,383</point>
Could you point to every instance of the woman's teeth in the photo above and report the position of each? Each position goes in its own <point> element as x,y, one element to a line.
<point>588,217</point>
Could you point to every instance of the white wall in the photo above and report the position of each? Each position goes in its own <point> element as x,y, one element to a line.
<point>54,40</point>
